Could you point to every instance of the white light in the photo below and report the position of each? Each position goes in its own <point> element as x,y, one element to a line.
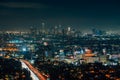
<point>45,43</point>
<point>24,49</point>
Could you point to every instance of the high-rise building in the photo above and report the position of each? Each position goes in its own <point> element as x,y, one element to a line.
<point>33,30</point>
<point>43,27</point>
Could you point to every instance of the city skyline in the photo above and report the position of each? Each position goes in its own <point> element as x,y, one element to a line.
<point>83,14</point>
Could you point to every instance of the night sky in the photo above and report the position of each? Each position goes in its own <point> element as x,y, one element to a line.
<point>82,14</point>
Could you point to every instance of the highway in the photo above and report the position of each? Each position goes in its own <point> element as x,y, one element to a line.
<point>35,74</point>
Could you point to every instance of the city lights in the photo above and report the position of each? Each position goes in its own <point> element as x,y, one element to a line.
<point>59,40</point>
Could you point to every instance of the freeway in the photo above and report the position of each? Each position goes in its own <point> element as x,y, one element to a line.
<point>35,74</point>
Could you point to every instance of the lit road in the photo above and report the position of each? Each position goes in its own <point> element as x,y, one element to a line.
<point>34,72</point>
<point>34,77</point>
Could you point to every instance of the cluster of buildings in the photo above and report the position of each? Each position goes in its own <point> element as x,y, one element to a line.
<point>60,42</point>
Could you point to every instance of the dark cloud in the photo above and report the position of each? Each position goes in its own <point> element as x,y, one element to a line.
<point>78,13</point>
<point>22,5</point>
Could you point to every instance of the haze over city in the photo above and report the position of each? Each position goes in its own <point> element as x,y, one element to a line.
<point>59,40</point>
<point>82,14</point>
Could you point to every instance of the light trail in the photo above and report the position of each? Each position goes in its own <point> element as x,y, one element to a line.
<point>35,72</point>
<point>34,77</point>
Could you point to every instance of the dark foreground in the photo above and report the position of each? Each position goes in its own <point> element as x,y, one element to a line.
<point>92,71</point>
<point>11,69</point>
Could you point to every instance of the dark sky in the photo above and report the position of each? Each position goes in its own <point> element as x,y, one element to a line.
<point>82,14</point>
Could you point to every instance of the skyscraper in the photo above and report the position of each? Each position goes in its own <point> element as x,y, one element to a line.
<point>33,31</point>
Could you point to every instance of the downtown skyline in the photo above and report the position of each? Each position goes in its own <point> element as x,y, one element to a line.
<point>83,14</point>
